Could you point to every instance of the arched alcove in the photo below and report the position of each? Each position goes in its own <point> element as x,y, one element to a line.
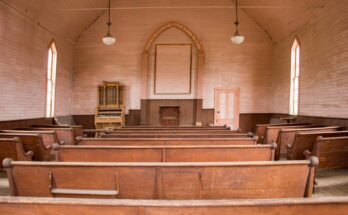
<point>146,61</point>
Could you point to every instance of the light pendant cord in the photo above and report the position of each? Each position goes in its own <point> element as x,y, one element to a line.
<point>236,22</point>
<point>109,21</point>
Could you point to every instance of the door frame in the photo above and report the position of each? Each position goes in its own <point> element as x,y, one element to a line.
<point>236,91</point>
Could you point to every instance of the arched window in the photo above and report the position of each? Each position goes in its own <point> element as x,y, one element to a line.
<point>51,79</point>
<point>295,75</point>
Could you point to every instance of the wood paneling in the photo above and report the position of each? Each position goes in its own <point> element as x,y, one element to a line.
<point>323,65</point>
<point>13,124</point>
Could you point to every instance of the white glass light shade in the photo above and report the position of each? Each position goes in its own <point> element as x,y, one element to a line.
<point>237,39</point>
<point>109,40</point>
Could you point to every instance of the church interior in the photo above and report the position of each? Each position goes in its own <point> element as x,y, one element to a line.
<point>188,107</point>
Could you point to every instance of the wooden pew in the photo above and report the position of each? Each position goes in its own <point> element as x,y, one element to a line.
<point>195,180</point>
<point>65,135</point>
<point>260,130</point>
<point>272,132</point>
<point>68,206</point>
<point>166,141</point>
<point>153,128</point>
<point>12,148</point>
<point>287,136</point>
<point>163,153</point>
<point>332,152</point>
<point>305,141</point>
<point>34,143</point>
<point>48,137</point>
<point>77,129</point>
<point>175,135</point>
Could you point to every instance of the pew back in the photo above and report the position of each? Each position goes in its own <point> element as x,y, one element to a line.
<point>332,152</point>
<point>306,140</point>
<point>65,135</point>
<point>174,135</point>
<point>167,141</point>
<point>48,137</point>
<point>77,129</point>
<point>32,142</point>
<point>208,180</point>
<point>287,136</point>
<point>161,153</point>
<point>65,206</point>
<point>12,148</point>
<point>272,132</point>
<point>261,129</point>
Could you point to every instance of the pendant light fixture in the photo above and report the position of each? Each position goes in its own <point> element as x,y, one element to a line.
<point>237,38</point>
<point>108,39</point>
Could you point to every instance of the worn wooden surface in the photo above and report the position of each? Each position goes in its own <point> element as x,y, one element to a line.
<point>59,206</point>
<point>208,180</point>
<point>160,153</point>
<point>166,141</point>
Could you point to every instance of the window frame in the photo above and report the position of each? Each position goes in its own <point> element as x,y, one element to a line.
<point>295,72</point>
<point>51,78</point>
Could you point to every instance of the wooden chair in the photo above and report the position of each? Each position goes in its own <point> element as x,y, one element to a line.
<point>12,148</point>
<point>195,180</point>
<point>332,152</point>
<point>305,141</point>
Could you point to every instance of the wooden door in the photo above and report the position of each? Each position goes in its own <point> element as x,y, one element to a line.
<point>227,107</point>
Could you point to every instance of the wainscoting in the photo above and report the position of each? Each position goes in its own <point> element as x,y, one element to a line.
<point>24,123</point>
<point>247,121</point>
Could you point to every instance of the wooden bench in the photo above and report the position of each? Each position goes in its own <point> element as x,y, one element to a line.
<point>287,136</point>
<point>153,128</point>
<point>305,141</point>
<point>34,143</point>
<point>48,137</point>
<point>332,152</point>
<point>67,206</point>
<point>260,130</point>
<point>12,148</point>
<point>272,132</point>
<point>162,153</point>
<point>174,135</point>
<point>167,141</point>
<point>195,180</point>
<point>64,134</point>
<point>77,129</point>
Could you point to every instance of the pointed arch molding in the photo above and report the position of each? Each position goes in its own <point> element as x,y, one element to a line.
<point>152,39</point>
<point>169,25</point>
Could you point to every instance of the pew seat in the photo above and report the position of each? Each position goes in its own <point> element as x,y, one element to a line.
<point>34,143</point>
<point>165,153</point>
<point>12,148</point>
<point>167,141</point>
<point>154,180</point>
<point>332,152</point>
<point>68,206</point>
<point>305,141</point>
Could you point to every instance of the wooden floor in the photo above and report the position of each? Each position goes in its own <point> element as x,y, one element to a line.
<point>332,182</point>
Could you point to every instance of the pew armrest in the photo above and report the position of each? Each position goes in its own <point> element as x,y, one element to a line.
<point>307,154</point>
